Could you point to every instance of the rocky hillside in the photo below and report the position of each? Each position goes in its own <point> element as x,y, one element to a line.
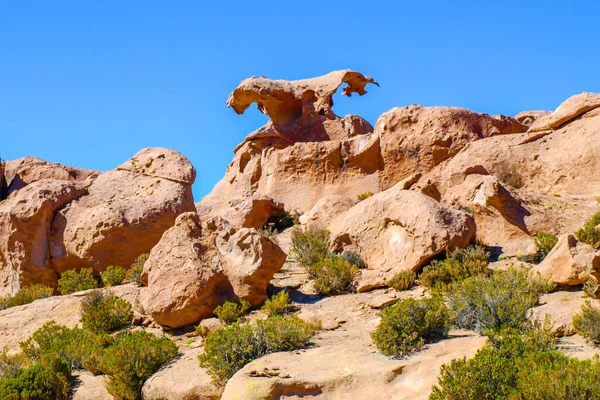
<point>334,259</point>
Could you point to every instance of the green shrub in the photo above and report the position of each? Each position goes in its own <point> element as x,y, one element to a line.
<point>270,232</point>
<point>587,322</point>
<point>309,247</point>
<point>354,259</point>
<point>75,281</point>
<point>407,325</point>
<point>48,379</point>
<point>113,275</point>
<point>364,196</point>
<point>588,233</point>
<point>544,242</point>
<point>230,312</point>
<point>105,312</point>
<point>509,174</point>
<point>494,302</point>
<point>332,275</point>
<point>458,265</point>
<point>26,295</point>
<point>278,304</point>
<point>591,288</point>
<point>134,274</point>
<point>10,365</point>
<point>228,349</point>
<point>402,280</point>
<point>134,359</point>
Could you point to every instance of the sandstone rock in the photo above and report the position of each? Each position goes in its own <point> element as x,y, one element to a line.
<point>23,171</point>
<point>124,214</point>
<point>161,163</point>
<point>560,306</point>
<point>249,212</point>
<point>326,209</point>
<point>181,379</point>
<point>529,117</point>
<point>570,262</point>
<point>568,110</point>
<point>400,230</point>
<point>88,386</point>
<point>25,228</point>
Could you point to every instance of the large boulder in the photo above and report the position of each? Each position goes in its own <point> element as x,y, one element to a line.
<point>125,212</point>
<point>25,228</point>
<point>250,212</point>
<point>23,171</point>
<point>326,209</point>
<point>399,230</point>
<point>570,109</point>
<point>570,262</point>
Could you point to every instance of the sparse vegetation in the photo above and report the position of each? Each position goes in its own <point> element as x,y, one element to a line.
<point>26,295</point>
<point>278,304</point>
<point>134,274</point>
<point>409,324</point>
<point>113,275</point>
<point>230,312</point>
<point>310,246</point>
<point>509,174</point>
<point>75,281</point>
<point>103,312</point>
<point>270,232</point>
<point>402,280</point>
<point>588,233</point>
<point>47,379</point>
<point>332,275</point>
<point>228,349</point>
<point>354,259</point>
<point>544,242</point>
<point>364,196</point>
<point>591,288</point>
<point>459,264</point>
<point>587,322</point>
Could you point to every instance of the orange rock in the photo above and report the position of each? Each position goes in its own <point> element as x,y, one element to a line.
<point>570,109</point>
<point>249,212</point>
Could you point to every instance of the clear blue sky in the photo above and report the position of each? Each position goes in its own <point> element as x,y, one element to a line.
<point>89,83</point>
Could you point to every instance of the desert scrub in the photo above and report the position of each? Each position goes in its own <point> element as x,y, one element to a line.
<point>588,233</point>
<point>270,232</point>
<point>132,360</point>
<point>26,295</point>
<point>544,242</point>
<point>509,174</point>
<point>310,246</point>
<point>228,349</point>
<point>75,281</point>
<point>402,280</point>
<point>134,274</point>
<point>103,312</point>
<point>591,288</point>
<point>498,301</point>
<point>587,322</point>
<point>354,259</point>
<point>113,275</point>
<point>409,324</point>
<point>47,379</point>
<point>230,312</point>
<point>332,275</point>
<point>458,265</point>
<point>278,304</point>
<point>364,196</point>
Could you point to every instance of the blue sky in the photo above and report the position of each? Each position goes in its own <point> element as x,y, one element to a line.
<point>89,83</point>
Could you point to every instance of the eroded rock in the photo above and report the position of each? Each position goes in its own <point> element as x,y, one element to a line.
<point>570,109</point>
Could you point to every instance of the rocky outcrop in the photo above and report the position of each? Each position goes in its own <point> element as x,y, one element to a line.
<point>399,230</point>
<point>25,228</point>
<point>196,267</point>
<point>24,171</point>
<point>124,213</point>
<point>529,117</point>
<point>250,212</point>
<point>326,209</point>
<point>567,111</point>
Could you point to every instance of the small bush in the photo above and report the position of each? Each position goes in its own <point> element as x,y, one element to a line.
<point>75,281</point>
<point>354,259</point>
<point>228,349</point>
<point>309,247</point>
<point>48,379</point>
<point>134,274</point>
<point>587,322</point>
<point>26,295</point>
<point>545,242</point>
<point>332,275</point>
<point>270,232</point>
<point>364,196</point>
<point>494,302</point>
<point>10,365</point>
<point>458,265</point>
<point>134,359</point>
<point>588,233</point>
<point>406,326</point>
<point>278,304</point>
<point>230,312</point>
<point>591,288</point>
<point>105,312</point>
<point>113,275</point>
<point>509,174</point>
<point>402,280</point>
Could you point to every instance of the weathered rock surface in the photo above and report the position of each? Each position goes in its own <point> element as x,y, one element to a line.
<point>23,171</point>
<point>570,109</point>
<point>570,262</point>
<point>560,306</point>
<point>249,212</point>
<point>124,214</point>
<point>326,209</point>
<point>25,228</point>
<point>88,386</point>
<point>529,117</point>
<point>399,230</point>
<point>161,163</point>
